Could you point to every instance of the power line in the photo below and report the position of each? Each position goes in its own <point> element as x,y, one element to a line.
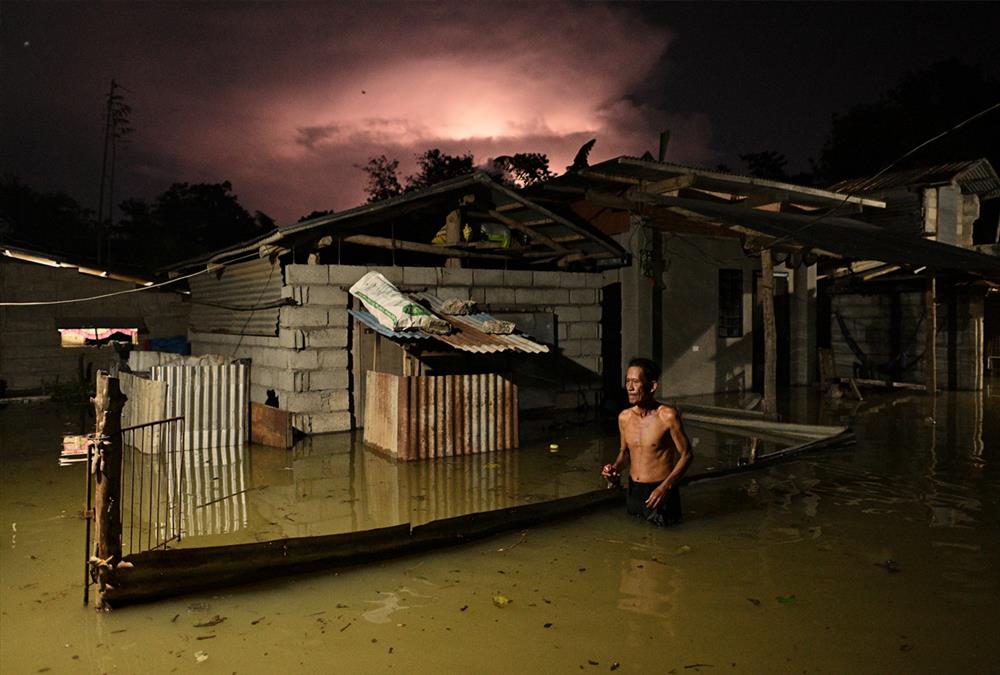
<point>885,169</point>
<point>38,303</point>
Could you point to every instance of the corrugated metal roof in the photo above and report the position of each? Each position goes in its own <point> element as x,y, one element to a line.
<point>244,300</point>
<point>975,176</point>
<point>547,232</point>
<point>643,172</point>
<point>844,236</point>
<point>467,335</point>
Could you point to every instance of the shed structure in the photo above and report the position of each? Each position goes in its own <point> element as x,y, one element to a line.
<point>282,300</point>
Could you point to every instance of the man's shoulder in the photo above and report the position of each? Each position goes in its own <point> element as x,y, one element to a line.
<point>668,412</point>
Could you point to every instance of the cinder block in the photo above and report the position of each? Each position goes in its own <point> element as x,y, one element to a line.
<point>487,277</point>
<point>454,276</point>
<point>517,278</point>
<point>546,279</point>
<point>321,380</point>
<point>541,296</point>
<point>293,380</point>
<point>325,423</point>
<point>291,338</point>
<point>264,377</point>
<point>583,296</point>
<point>346,275</point>
<point>338,318</point>
<point>326,337</point>
<point>266,357</point>
<point>446,292</point>
<point>338,401</point>
<point>571,347</point>
<point>307,359</point>
<point>590,313</point>
<point>590,347</point>
<point>393,274</point>
<point>568,313</point>
<point>477,295</point>
<point>302,317</point>
<point>584,329</point>
<point>562,331</point>
<point>306,274</point>
<point>332,358</point>
<point>500,296</point>
<point>420,276</point>
<point>327,295</point>
<point>301,402</point>
<point>573,280</point>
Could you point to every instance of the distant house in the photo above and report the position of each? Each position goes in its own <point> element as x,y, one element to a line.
<point>877,310</point>
<point>48,339</point>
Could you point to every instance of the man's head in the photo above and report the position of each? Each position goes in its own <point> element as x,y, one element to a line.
<point>641,380</point>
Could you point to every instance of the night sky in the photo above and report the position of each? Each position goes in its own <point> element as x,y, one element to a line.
<point>283,99</point>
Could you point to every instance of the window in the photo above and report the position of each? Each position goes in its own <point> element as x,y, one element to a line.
<point>730,303</point>
<point>95,337</point>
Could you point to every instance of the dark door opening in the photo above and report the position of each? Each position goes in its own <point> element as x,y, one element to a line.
<point>611,347</point>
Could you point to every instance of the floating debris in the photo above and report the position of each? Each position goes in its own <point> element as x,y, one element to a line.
<point>755,601</point>
<point>889,566</point>
<point>200,656</point>
<point>214,621</point>
<point>786,599</point>
<point>501,600</point>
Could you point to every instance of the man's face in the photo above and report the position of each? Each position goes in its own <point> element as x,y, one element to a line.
<point>638,388</point>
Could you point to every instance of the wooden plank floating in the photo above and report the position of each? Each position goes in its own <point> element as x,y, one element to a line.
<point>270,426</point>
<point>432,416</point>
<point>160,574</point>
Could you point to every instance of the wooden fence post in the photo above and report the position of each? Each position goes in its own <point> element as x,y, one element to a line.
<point>107,468</point>
<point>930,303</point>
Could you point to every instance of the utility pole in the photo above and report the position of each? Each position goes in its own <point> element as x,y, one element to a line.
<point>116,127</point>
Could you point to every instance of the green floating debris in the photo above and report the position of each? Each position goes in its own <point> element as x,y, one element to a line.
<point>501,600</point>
<point>786,599</point>
<point>683,548</point>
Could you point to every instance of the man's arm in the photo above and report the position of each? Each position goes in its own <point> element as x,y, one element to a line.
<point>613,471</point>
<point>675,428</point>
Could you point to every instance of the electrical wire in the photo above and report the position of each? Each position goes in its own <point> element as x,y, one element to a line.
<point>37,303</point>
<point>888,167</point>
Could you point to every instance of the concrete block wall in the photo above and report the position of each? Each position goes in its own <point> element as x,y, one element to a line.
<point>306,364</point>
<point>30,351</point>
<point>868,317</point>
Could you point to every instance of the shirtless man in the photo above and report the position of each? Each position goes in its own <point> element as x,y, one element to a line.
<point>655,447</point>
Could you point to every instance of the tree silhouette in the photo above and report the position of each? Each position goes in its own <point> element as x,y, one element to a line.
<point>923,104</point>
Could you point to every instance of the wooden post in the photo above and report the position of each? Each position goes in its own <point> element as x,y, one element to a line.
<point>765,291</point>
<point>107,469</point>
<point>930,304</point>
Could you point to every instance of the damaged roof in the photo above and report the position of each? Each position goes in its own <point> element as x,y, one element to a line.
<point>976,176</point>
<point>409,222</point>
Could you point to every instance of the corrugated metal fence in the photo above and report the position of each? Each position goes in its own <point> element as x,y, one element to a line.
<point>425,416</point>
<point>213,400</point>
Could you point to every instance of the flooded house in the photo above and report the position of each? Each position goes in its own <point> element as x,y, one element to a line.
<point>877,315</point>
<point>712,250</point>
<point>283,301</point>
<point>49,339</point>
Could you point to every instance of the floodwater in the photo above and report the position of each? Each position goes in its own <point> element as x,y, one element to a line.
<point>882,557</point>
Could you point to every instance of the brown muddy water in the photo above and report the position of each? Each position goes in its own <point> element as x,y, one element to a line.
<point>882,557</point>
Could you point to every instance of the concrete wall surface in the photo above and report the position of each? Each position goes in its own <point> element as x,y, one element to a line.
<point>308,365</point>
<point>30,351</point>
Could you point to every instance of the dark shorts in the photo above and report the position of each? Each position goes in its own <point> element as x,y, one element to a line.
<point>667,513</point>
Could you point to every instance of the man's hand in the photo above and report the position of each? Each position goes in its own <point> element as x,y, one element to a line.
<point>611,474</point>
<point>657,495</point>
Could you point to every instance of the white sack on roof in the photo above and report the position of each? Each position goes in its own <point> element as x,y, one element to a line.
<point>393,309</point>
